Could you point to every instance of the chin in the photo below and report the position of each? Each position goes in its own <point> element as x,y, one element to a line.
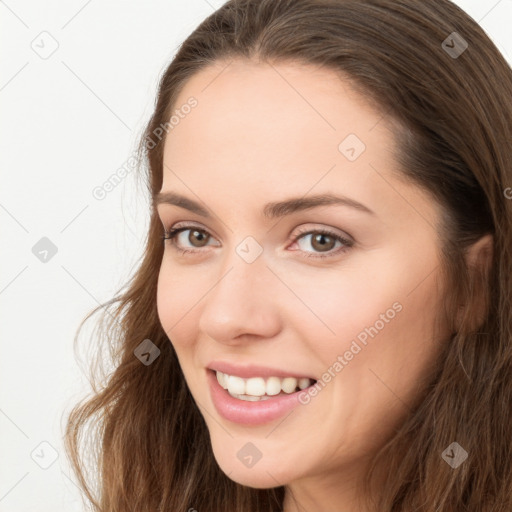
<point>257,479</point>
<point>262,475</point>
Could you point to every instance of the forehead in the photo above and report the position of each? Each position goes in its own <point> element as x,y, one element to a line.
<point>280,129</point>
<point>275,105</point>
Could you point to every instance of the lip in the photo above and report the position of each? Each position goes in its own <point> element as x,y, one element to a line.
<point>248,371</point>
<point>249,413</point>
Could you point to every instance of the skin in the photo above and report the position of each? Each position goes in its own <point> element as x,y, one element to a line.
<point>265,133</point>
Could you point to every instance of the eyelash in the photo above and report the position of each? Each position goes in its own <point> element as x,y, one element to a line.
<point>172,233</point>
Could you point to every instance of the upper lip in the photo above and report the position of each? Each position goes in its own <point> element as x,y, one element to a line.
<point>251,370</point>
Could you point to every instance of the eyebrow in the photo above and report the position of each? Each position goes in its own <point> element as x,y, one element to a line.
<point>270,210</point>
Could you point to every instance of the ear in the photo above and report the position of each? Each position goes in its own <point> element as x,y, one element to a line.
<point>480,253</point>
<point>479,258</point>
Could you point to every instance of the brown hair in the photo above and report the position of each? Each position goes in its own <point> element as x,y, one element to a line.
<point>454,131</point>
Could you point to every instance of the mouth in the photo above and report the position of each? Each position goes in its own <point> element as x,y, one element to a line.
<point>256,389</point>
<point>255,409</point>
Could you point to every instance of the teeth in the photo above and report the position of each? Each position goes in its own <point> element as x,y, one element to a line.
<point>257,388</point>
<point>273,386</point>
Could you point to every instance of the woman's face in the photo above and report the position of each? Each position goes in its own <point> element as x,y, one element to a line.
<point>265,294</point>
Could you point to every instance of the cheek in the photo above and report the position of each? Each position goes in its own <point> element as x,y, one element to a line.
<point>380,316</point>
<point>176,296</point>
<point>335,305</point>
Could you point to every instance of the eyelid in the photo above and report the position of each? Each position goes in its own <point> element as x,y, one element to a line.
<point>190,225</point>
<point>335,232</point>
<point>184,225</point>
<point>346,239</point>
<point>301,230</point>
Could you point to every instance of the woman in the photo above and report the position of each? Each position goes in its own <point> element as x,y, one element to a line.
<point>322,317</point>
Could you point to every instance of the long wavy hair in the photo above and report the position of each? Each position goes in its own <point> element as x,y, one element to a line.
<point>143,437</point>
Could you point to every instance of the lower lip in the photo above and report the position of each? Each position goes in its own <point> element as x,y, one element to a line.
<point>249,413</point>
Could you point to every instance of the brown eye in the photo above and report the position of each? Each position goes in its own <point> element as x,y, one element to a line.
<point>197,238</point>
<point>322,242</point>
<point>193,242</point>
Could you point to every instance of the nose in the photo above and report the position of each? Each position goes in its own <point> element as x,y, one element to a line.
<point>243,301</point>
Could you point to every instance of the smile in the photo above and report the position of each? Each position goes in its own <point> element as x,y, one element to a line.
<point>259,388</point>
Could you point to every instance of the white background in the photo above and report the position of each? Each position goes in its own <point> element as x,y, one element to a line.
<point>68,122</point>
